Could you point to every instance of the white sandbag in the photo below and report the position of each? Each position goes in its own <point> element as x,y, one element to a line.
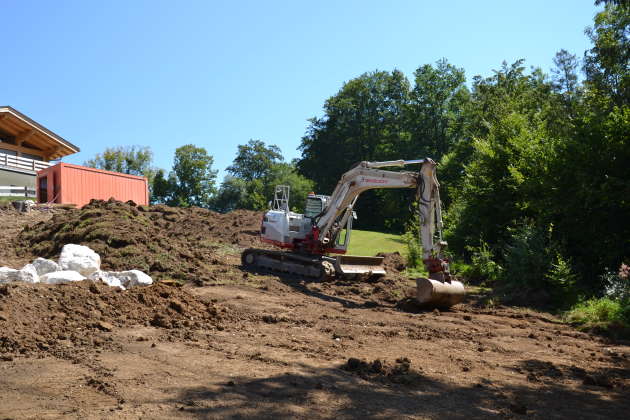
<point>127,279</point>
<point>135,278</point>
<point>9,274</point>
<point>57,277</point>
<point>28,274</point>
<point>44,266</point>
<point>79,258</point>
<point>107,277</point>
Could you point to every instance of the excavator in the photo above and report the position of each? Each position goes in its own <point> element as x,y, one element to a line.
<point>325,228</point>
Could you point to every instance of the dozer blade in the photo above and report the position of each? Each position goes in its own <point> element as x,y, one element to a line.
<point>434,293</point>
<point>352,264</point>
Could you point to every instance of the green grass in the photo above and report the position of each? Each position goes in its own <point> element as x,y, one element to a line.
<point>14,198</point>
<point>365,242</point>
<point>596,311</point>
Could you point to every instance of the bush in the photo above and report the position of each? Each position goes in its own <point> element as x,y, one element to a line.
<point>535,273</point>
<point>597,311</point>
<point>617,285</point>
<point>483,268</point>
<point>414,250</point>
<point>561,280</point>
<point>610,313</point>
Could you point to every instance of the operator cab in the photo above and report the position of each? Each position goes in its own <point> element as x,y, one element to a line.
<point>315,204</point>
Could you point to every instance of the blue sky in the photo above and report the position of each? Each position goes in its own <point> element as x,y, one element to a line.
<point>217,73</point>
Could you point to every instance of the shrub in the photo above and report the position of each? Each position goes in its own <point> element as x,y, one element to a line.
<point>617,285</point>
<point>610,313</point>
<point>535,272</point>
<point>596,311</point>
<point>483,268</point>
<point>561,280</point>
<point>414,250</point>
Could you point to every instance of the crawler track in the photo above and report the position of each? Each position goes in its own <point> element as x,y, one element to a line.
<point>309,266</point>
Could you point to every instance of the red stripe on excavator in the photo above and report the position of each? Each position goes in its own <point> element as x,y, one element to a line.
<point>290,246</point>
<point>277,243</point>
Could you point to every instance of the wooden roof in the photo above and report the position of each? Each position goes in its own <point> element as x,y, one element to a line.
<point>32,137</point>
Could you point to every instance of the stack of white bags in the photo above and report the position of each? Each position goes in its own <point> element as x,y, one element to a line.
<point>76,263</point>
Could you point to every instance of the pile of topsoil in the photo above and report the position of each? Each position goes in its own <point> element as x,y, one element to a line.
<point>63,320</point>
<point>166,242</point>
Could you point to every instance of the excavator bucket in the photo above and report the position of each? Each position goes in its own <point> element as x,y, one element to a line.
<point>352,264</point>
<point>440,294</point>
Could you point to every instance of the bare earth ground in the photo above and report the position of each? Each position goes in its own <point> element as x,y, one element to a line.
<point>263,346</point>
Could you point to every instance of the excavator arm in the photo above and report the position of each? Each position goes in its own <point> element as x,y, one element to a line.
<point>368,175</point>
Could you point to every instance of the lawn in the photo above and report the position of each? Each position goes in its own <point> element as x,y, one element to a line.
<point>13,198</point>
<point>365,242</point>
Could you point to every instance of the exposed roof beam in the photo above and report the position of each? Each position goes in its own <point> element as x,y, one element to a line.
<point>23,149</point>
<point>50,153</point>
<point>24,136</point>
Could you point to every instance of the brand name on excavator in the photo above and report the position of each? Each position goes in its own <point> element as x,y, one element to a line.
<point>374,180</point>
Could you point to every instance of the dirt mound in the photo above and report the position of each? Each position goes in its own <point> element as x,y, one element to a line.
<point>399,372</point>
<point>167,242</point>
<point>393,261</point>
<point>61,320</point>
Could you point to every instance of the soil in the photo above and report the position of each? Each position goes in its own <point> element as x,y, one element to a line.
<point>183,244</point>
<point>258,345</point>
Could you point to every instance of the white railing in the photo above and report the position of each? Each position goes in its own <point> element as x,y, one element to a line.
<point>13,191</point>
<point>23,163</point>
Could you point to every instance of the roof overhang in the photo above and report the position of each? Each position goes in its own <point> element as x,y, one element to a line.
<point>37,138</point>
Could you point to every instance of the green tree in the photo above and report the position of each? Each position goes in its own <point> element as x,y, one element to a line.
<point>254,160</point>
<point>162,187</point>
<point>363,121</point>
<point>503,182</point>
<point>133,160</point>
<point>190,183</point>
<point>607,64</point>
<point>435,105</point>
<point>193,177</point>
<point>254,173</point>
<point>286,174</point>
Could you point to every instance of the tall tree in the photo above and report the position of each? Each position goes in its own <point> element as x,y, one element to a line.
<point>254,160</point>
<point>607,64</point>
<point>133,160</point>
<point>436,103</point>
<point>194,176</point>
<point>254,173</point>
<point>363,121</point>
<point>190,183</point>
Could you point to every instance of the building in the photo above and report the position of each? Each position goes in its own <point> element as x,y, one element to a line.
<point>26,147</point>
<point>74,184</point>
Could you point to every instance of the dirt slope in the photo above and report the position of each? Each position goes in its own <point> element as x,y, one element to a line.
<point>257,345</point>
<point>169,243</point>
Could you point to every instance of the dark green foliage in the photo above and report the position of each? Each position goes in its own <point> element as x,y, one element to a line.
<point>254,160</point>
<point>190,183</point>
<point>483,268</point>
<point>134,160</point>
<point>254,174</point>
<point>379,116</point>
<point>534,273</point>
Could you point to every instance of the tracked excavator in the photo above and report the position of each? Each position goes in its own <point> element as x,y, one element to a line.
<point>325,228</point>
